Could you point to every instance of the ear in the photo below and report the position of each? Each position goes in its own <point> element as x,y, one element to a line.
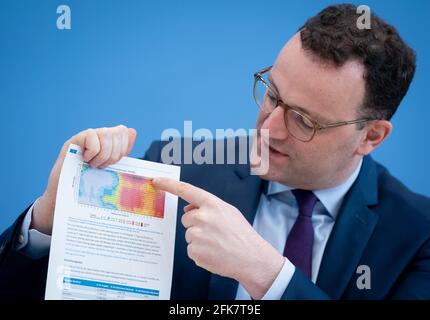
<point>374,134</point>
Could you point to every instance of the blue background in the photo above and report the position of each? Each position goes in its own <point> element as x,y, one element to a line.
<point>153,64</point>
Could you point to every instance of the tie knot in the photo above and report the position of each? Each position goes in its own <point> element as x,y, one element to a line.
<point>306,200</point>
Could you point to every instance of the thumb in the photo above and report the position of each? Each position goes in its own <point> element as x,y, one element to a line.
<point>132,134</point>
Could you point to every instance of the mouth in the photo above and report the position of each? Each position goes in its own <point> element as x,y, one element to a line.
<point>273,151</point>
<point>276,152</point>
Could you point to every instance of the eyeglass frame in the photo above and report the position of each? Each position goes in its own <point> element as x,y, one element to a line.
<point>317,126</point>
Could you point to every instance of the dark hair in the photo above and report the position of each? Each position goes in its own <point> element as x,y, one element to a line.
<point>333,36</point>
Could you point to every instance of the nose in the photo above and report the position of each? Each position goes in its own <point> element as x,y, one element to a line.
<point>275,122</point>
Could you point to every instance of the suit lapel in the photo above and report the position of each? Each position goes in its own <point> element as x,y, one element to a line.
<point>243,192</point>
<point>351,232</point>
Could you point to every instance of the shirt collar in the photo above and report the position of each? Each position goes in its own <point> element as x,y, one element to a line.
<point>331,198</point>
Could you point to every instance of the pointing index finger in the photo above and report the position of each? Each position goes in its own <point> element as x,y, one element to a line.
<point>186,191</point>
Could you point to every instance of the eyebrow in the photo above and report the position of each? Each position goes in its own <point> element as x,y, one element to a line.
<point>318,118</point>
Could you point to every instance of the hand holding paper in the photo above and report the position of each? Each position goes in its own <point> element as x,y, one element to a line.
<point>113,234</point>
<point>101,147</point>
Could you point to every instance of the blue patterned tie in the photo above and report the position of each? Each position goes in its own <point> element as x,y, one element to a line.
<point>298,248</point>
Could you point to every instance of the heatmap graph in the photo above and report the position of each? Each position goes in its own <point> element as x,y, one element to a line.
<point>109,189</point>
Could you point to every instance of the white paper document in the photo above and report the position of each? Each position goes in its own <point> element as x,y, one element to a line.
<point>114,234</point>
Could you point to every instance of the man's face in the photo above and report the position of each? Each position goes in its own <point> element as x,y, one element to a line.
<point>327,94</point>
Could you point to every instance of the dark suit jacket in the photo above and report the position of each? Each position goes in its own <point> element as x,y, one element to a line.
<point>381,224</point>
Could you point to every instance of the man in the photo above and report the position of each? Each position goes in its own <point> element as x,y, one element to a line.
<point>323,214</point>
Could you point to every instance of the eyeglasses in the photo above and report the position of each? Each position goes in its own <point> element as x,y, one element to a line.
<point>298,124</point>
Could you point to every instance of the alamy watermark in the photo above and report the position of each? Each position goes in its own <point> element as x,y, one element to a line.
<point>64,20</point>
<point>231,146</point>
<point>364,20</point>
<point>364,278</point>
